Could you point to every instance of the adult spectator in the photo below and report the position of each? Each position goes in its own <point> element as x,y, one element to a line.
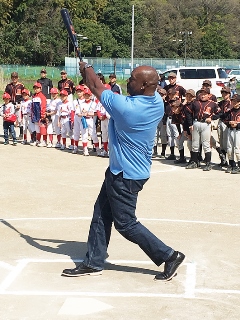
<point>233,86</point>
<point>172,78</point>
<point>113,83</point>
<point>46,84</point>
<point>162,82</point>
<point>14,89</point>
<point>66,84</point>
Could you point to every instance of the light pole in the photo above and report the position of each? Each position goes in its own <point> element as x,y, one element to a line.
<point>186,34</point>
<point>81,37</point>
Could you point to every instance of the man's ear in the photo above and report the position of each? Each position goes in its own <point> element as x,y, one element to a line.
<point>144,85</point>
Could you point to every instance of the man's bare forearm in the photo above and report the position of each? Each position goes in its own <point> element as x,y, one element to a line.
<point>91,80</point>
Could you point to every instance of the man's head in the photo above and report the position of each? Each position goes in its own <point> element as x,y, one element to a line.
<point>172,78</point>
<point>101,77</point>
<point>43,73</point>
<point>143,81</point>
<point>112,78</point>
<point>37,87</point>
<point>14,77</point>
<point>63,74</point>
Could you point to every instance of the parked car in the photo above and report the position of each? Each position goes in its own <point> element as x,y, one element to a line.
<point>193,77</point>
<point>234,73</point>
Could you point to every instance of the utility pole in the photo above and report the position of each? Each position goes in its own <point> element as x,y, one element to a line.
<point>186,34</point>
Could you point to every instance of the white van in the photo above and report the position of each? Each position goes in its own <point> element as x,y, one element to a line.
<point>193,77</point>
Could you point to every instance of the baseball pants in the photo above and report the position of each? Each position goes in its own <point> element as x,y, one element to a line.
<point>201,135</point>
<point>233,144</point>
<point>90,130</point>
<point>172,133</point>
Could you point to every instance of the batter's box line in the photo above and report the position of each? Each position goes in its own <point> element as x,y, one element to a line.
<point>189,287</point>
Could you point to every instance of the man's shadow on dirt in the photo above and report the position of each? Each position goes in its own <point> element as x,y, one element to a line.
<point>72,249</point>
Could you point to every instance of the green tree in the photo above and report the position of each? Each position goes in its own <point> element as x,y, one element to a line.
<point>214,43</point>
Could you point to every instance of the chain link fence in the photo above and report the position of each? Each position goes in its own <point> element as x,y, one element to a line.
<point>121,67</point>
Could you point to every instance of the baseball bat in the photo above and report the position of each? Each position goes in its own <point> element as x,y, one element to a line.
<point>71,32</point>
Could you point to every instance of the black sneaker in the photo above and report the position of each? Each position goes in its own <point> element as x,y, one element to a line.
<point>81,270</point>
<point>170,268</point>
<point>162,156</point>
<point>171,157</point>
<point>207,167</point>
<point>235,170</point>
<point>229,169</point>
<point>180,160</point>
<point>192,165</point>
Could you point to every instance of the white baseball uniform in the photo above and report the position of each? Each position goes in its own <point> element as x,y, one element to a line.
<point>88,107</point>
<point>64,118</point>
<point>25,109</point>
<point>104,123</point>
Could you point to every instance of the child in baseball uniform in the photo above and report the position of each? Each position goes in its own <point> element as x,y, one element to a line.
<point>87,111</point>
<point>161,129</point>
<point>232,120</point>
<point>76,116</point>
<point>104,117</point>
<point>65,108</point>
<point>202,112</point>
<point>9,117</point>
<point>53,108</point>
<point>38,112</point>
<point>25,108</point>
<point>171,122</point>
<point>52,117</point>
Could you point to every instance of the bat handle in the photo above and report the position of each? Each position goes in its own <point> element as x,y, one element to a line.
<point>79,54</point>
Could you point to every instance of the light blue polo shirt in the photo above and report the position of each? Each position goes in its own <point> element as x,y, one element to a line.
<point>131,131</point>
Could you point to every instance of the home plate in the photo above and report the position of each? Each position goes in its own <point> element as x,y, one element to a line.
<point>82,306</point>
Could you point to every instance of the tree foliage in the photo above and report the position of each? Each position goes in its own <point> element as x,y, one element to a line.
<point>33,33</point>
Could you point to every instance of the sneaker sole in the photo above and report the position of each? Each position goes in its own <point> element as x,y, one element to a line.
<point>97,273</point>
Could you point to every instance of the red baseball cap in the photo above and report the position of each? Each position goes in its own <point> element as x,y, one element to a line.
<point>37,85</point>
<point>87,91</point>
<point>63,93</point>
<point>107,86</point>
<point>25,91</point>
<point>6,96</point>
<point>54,90</point>
<point>80,87</point>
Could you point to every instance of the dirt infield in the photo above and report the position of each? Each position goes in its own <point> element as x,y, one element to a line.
<point>47,198</point>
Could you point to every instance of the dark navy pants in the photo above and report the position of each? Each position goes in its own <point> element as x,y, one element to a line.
<point>116,203</point>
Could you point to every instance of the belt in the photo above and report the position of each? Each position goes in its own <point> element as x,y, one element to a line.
<point>64,117</point>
